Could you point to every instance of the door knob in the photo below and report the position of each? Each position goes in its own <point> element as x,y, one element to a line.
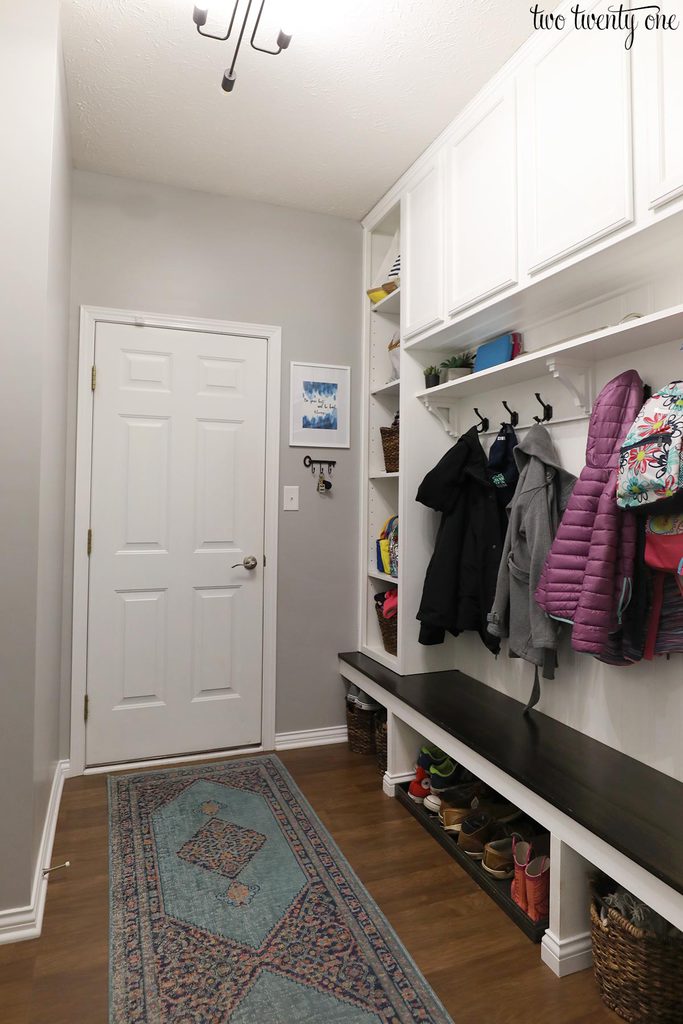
<point>249,562</point>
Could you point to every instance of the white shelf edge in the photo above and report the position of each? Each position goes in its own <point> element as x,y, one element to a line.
<point>384,476</point>
<point>385,577</point>
<point>387,304</point>
<point>646,332</point>
<point>392,387</point>
<point>380,655</point>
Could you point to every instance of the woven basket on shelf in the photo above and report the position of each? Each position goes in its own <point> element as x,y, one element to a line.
<point>361,727</point>
<point>381,740</point>
<point>390,437</point>
<point>389,630</point>
<point>640,975</point>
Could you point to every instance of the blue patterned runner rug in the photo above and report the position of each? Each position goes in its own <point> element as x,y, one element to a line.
<point>231,904</point>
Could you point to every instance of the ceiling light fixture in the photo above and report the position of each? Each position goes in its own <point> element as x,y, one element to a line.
<point>200,16</point>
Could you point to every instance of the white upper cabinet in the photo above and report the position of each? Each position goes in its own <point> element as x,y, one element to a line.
<point>576,143</point>
<point>665,103</point>
<point>422,257</point>
<point>481,203</point>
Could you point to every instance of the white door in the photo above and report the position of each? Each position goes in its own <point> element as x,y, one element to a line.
<point>178,476</point>
<point>422,258</point>
<point>577,140</point>
<point>481,204</point>
<point>665,100</point>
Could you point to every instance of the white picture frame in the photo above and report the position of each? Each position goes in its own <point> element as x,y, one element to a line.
<point>319,406</point>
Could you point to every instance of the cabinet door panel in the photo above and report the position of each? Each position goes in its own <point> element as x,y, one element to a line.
<point>481,224</point>
<point>422,274</point>
<point>581,143</point>
<point>665,119</point>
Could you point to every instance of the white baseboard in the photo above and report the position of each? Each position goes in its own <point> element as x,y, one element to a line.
<point>390,782</point>
<point>567,956</point>
<point>311,737</point>
<point>27,922</point>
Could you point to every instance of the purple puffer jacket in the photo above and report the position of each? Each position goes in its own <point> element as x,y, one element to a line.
<point>588,572</point>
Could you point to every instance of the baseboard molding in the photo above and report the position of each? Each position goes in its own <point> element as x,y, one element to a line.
<point>27,922</point>
<point>567,956</point>
<point>391,781</point>
<point>311,737</point>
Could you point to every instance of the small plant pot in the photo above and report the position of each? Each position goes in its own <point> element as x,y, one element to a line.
<point>432,380</point>
<point>455,373</point>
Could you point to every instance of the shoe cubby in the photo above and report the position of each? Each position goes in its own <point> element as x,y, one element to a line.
<point>497,889</point>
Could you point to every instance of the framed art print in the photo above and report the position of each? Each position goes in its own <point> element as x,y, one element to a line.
<point>320,406</point>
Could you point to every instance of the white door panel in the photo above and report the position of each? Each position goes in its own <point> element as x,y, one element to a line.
<point>665,71</point>
<point>178,475</point>
<point>423,257</point>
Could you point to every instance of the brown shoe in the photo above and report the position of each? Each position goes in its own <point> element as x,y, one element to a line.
<point>500,809</point>
<point>498,858</point>
<point>538,888</point>
<point>476,831</point>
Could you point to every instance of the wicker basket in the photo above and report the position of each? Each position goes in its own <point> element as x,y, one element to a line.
<point>389,630</point>
<point>361,727</point>
<point>381,740</point>
<point>640,975</point>
<point>390,437</point>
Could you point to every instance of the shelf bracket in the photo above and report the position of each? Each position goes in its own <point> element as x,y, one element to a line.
<point>444,420</point>
<point>577,378</point>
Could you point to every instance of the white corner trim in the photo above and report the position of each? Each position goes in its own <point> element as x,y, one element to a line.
<point>27,922</point>
<point>311,737</point>
<point>567,956</point>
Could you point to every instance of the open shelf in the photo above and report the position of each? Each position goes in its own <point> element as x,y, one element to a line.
<point>391,305</point>
<point>635,335</point>
<point>385,577</point>
<point>392,388</point>
<point>497,889</point>
<point>384,476</point>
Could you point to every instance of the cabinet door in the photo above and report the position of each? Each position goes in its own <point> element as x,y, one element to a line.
<point>580,143</point>
<point>481,205</point>
<point>423,257</point>
<point>666,92</point>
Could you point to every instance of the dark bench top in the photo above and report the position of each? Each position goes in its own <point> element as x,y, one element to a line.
<point>635,809</point>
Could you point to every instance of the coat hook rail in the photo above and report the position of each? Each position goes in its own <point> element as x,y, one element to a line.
<point>330,463</point>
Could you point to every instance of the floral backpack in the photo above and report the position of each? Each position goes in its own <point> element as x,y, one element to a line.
<point>651,457</point>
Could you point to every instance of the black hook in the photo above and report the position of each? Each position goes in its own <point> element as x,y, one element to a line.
<point>547,410</point>
<point>514,416</point>
<point>483,422</point>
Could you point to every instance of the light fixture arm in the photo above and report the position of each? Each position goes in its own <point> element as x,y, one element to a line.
<point>263,49</point>
<point>200,20</point>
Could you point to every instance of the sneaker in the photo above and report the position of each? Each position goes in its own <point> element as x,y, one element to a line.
<point>475,832</point>
<point>419,787</point>
<point>366,703</point>
<point>538,888</point>
<point>429,755</point>
<point>498,859</point>
<point>499,808</point>
<point>445,775</point>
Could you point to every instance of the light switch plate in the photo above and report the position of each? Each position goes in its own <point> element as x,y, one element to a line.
<point>291,499</point>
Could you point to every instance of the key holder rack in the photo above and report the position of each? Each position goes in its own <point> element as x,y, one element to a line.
<point>309,463</point>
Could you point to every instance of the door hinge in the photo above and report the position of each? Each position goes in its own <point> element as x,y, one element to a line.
<point>89,543</point>
<point>86,701</point>
<point>93,378</point>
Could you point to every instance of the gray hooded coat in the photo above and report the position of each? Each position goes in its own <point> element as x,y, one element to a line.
<point>535,511</point>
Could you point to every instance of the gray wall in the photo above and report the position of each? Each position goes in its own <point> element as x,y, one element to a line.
<point>166,250</point>
<point>34,213</point>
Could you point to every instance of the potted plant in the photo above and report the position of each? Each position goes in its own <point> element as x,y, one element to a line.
<point>432,376</point>
<point>458,366</point>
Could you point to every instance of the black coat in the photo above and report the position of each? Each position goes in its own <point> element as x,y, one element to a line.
<point>460,584</point>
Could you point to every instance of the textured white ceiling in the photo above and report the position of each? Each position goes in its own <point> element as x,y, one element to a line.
<point>328,125</point>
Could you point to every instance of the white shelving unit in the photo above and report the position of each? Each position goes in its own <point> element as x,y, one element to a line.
<point>381,400</point>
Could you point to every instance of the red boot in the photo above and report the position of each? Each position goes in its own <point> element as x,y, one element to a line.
<point>538,888</point>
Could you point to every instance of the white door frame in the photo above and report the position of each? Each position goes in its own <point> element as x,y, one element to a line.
<point>90,316</point>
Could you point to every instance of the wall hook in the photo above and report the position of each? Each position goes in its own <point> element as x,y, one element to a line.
<point>547,410</point>
<point>483,425</point>
<point>514,416</point>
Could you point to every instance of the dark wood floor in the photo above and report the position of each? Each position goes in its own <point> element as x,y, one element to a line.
<point>478,962</point>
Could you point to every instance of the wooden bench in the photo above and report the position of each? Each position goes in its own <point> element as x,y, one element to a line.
<point>602,808</point>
